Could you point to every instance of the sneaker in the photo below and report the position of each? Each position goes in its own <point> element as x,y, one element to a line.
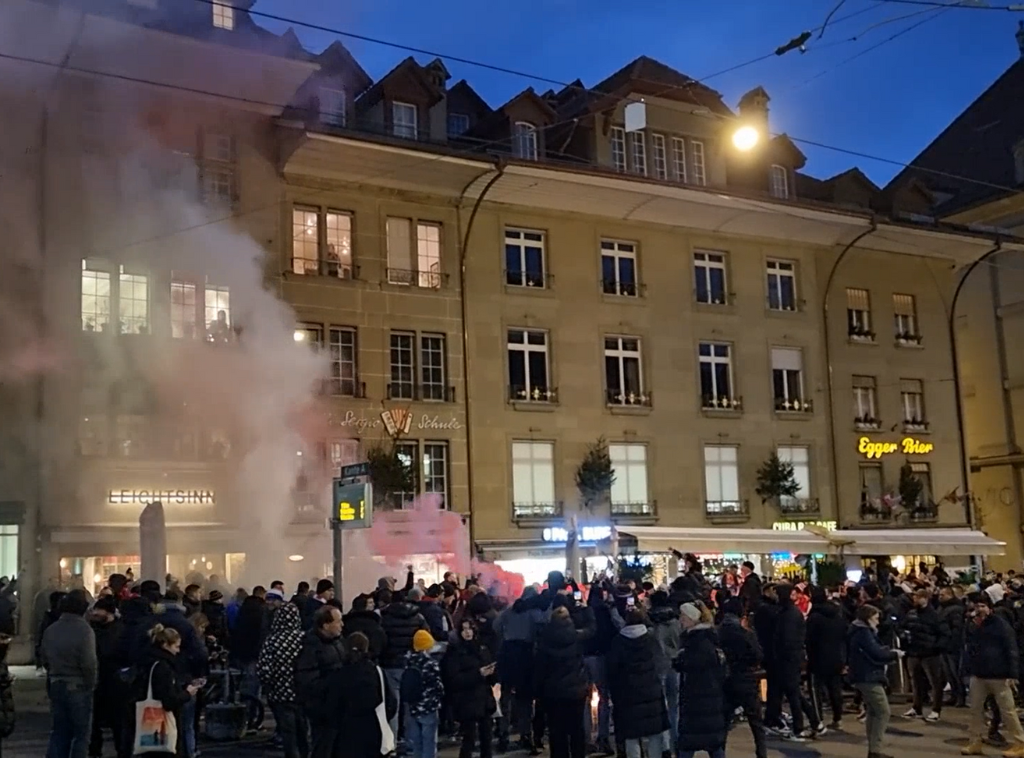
<point>820,730</point>
<point>862,716</point>
<point>932,717</point>
<point>973,748</point>
<point>778,731</point>
<point>835,726</point>
<point>796,737</point>
<point>912,714</point>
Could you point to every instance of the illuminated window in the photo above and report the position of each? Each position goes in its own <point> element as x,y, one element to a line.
<point>629,490</point>
<point>865,402</point>
<point>96,297</point>
<point>183,309</point>
<point>858,314</point>
<point>408,452</point>
<point>420,267</point>
<point>435,470</point>
<point>722,480</point>
<point>218,314</point>
<point>133,303</point>
<point>912,400</point>
<point>533,479</point>
<point>904,308</point>
<point>223,15</point>
<point>799,457</point>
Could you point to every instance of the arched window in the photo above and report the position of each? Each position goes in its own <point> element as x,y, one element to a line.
<point>524,141</point>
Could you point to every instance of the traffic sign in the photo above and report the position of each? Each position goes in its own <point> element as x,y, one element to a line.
<point>353,505</point>
<point>355,470</point>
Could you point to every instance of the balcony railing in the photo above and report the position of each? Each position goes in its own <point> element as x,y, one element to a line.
<point>867,424</point>
<point>799,506</point>
<point>872,513</point>
<point>726,510</point>
<point>915,425</point>
<point>924,513</point>
<point>628,398</point>
<point>623,289</point>
<point>634,510</point>
<point>860,334</point>
<point>793,405</point>
<point>339,387</point>
<point>907,338</point>
<point>528,279</point>
<point>536,511</point>
<point>721,403</point>
<point>430,280</point>
<point>535,393</point>
<point>324,267</point>
<point>429,393</point>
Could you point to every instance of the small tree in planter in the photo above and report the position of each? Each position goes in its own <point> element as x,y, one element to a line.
<point>595,475</point>
<point>389,475</point>
<point>776,479</point>
<point>910,487</point>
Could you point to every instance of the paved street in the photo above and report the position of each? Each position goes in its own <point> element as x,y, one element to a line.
<point>907,739</point>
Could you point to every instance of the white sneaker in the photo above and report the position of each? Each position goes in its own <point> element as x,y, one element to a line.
<point>932,717</point>
<point>912,714</point>
<point>821,730</point>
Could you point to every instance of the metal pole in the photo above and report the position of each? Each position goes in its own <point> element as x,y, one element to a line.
<point>339,561</point>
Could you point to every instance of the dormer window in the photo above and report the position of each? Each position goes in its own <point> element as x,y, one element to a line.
<point>404,121</point>
<point>779,186</point>
<point>524,141</point>
<point>332,106</point>
<point>458,124</point>
<point>1018,162</point>
<point>223,15</point>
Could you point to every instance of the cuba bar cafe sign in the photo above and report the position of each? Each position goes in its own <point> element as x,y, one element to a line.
<point>874,450</point>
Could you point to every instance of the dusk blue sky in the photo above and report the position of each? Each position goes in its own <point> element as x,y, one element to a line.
<point>889,102</point>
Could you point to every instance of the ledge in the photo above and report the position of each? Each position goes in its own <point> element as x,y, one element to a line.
<point>531,407</point>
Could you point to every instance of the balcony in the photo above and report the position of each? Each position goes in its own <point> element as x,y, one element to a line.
<point>721,404</point>
<point>915,426</point>
<point>908,339</point>
<point>867,424</point>
<point>793,405</point>
<point>326,267</point>
<point>622,289</point>
<point>533,394</point>
<point>427,280</point>
<point>882,512</point>
<point>527,513</point>
<point>634,513</point>
<point>538,280</point>
<point>722,511</point>
<point>420,393</point>
<point>924,513</point>
<point>338,387</point>
<point>860,334</point>
<point>799,506</point>
<point>616,398</point>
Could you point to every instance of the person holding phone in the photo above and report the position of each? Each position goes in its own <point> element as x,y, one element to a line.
<point>469,674</point>
<point>169,687</point>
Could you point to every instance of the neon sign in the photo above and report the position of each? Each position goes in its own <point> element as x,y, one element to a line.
<point>907,446</point>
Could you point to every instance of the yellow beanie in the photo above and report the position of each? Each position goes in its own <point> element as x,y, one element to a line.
<point>422,640</point>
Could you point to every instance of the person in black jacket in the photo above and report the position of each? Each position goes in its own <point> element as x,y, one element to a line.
<point>826,655</point>
<point>160,671</point>
<point>868,659</point>
<point>702,671</point>
<point>322,658</point>
<point>635,664</point>
<point>993,662</point>
<point>437,617</point>
<point>361,690</point>
<point>364,620</point>
<point>561,681</point>
<point>951,615</point>
<point>784,666</point>
<point>925,643</point>
<point>468,670</point>
<point>750,590</point>
<point>744,656</point>
<point>595,652</point>
<point>109,699</point>
<point>400,621</point>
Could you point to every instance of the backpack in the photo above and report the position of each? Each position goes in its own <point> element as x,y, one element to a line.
<point>411,687</point>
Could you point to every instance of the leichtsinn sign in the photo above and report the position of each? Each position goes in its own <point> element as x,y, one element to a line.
<point>907,446</point>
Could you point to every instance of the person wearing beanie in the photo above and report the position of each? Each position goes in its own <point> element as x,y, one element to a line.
<point>703,724</point>
<point>421,692</point>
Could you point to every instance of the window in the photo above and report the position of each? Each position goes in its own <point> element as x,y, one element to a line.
<point>332,106</point>
<point>321,242</point>
<point>709,278</point>
<point>423,271</point>
<point>342,453</point>
<point>699,174</point>
<point>619,148</point>
<point>1018,162</point>
<point>904,308</point>
<point>458,124</point>
<point>679,159</point>
<point>199,309</point>
<point>432,367</point>
<point>338,236</point>
<point>130,435</point>
<point>638,152</point>
<point>533,479</point>
<point>779,186</point>
<point>800,459</point>
<point>524,258</point>
<point>183,309</point>
<point>133,303</point>
<point>96,297</point>
<point>870,484</point>
<point>403,116</point>
<point>408,452</point>
<point>10,564</point>
<point>629,490</point>
<point>435,470</point>
<point>926,500</point>
<point>623,373</point>
<point>218,167</point>
<point>715,375</point>
<point>781,285</point>
<point>217,311</point>
<point>524,144</point>
<point>618,268</point>
<point>403,367</point>
<point>912,400</point>
<point>660,156</point>
<point>305,241</point>
<point>865,402</point>
<point>223,15</point>
<point>309,334</point>
<point>722,480</point>
<point>528,375</point>
<point>858,315</point>
<point>787,379</point>
<point>344,362</point>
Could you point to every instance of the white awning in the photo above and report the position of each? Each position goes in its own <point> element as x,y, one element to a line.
<point>919,542</point>
<point>662,539</point>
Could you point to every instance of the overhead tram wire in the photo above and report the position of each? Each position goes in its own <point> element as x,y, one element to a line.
<point>963,5</point>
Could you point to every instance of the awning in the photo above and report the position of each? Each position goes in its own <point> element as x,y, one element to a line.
<point>662,539</point>
<point>918,542</point>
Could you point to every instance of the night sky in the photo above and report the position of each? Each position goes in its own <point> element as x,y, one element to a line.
<point>887,102</point>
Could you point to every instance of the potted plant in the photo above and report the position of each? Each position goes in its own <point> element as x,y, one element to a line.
<point>910,487</point>
<point>776,480</point>
<point>595,475</point>
<point>389,475</point>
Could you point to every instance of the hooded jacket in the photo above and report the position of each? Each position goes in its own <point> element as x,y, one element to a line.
<point>430,676</point>
<point>744,656</point>
<point>316,670</point>
<point>276,663</point>
<point>866,655</point>
<point>702,668</point>
<point>367,623</point>
<point>400,622</point>
<point>666,630</point>
<point>925,631</point>
<point>559,670</point>
<point>468,690</point>
<point>518,627</point>
<point>826,639</point>
<point>634,663</point>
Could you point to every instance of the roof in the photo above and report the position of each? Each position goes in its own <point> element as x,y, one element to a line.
<point>652,77</point>
<point>463,91</point>
<point>336,57</point>
<point>977,144</point>
<point>409,66</point>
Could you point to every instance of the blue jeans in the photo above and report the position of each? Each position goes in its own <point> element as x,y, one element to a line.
<point>599,676</point>
<point>670,684</point>
<point>654,746</point>
<point>394,679</point>
<point>71,709</point>
<point>188,726</point>
<point>716,753</point>
<point>421,735</point>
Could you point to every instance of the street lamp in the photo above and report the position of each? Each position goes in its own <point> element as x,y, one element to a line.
<point>746,138</point>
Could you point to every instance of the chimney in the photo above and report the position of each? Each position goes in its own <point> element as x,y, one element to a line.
<point>1020,37</point>
<point>753,109</point>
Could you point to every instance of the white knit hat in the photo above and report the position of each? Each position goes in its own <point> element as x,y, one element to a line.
<point>691,611</point>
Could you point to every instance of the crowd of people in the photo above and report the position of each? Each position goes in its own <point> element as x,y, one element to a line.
<point>611,668</point>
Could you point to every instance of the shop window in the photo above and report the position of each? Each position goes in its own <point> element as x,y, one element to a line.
<point>9,559</point>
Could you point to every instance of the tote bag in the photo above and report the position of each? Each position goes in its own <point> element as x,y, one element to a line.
<point>156,731</point>
<point>387,737</point>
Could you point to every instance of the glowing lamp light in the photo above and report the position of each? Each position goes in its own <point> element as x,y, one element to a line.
<point>96,578</point>
<point>745,138</point>
<point>296,558</point>
<point>209,565</point>
<point>63,563</point>
<point>299,335</point>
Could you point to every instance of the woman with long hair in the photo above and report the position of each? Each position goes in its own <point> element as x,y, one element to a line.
<point>361,688</point>
<point>159,670</point>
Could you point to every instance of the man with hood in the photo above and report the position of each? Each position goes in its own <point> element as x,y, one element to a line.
<point>635,664</point>
<point>276,670</point>
<point>665,628</point>
<point>743,656</point>
<point>517,628</point>
<point>362,618</point>
<point>826,654</point>
<point>868,659</point>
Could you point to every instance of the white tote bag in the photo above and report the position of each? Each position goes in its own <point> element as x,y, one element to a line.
<point>156,730</point>
<point>387,737</point>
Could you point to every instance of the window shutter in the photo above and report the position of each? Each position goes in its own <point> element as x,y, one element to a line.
<point>786,359</point>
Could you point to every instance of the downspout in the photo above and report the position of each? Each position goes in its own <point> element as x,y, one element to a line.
<point>828,361</point>
<point>499,169</point>
<point>964,464</point>
<point>34,515</point>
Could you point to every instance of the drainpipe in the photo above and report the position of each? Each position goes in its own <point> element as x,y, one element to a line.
<point>964,465</point>
<point>499,170</point>
<point>828,361</point>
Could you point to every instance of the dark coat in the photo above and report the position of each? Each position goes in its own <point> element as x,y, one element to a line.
<point>766,618</point>
<point>788,653</point>
<point>866,656</point>
<point>250,631</point>
<point>368,624</point>
<point>826,639</point>
<point>635,661</point>
<point>925,633</point>
<point>468,691</point>
<point>951,615</point>
<point>744,656</point>
<point>7,718</point>
<point>992,651</point>
<point>168,688</point>
<point>110,690</point>
<point>702,669</point>
<point>191,661</point>
<point>750,591</point>
<point>559,672</point>
<point>217,614</point>
<point>604,630</point>
<point>359,692</point>
<point>317,666</point>
<point>400,622</point>
<point>438,619</point>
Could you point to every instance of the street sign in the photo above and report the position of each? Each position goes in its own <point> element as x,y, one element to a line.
<point>353,505</point>
<point>355,470</point>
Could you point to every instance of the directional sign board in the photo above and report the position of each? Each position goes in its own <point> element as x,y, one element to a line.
<point>355,470</point>
<point>353,505</point>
